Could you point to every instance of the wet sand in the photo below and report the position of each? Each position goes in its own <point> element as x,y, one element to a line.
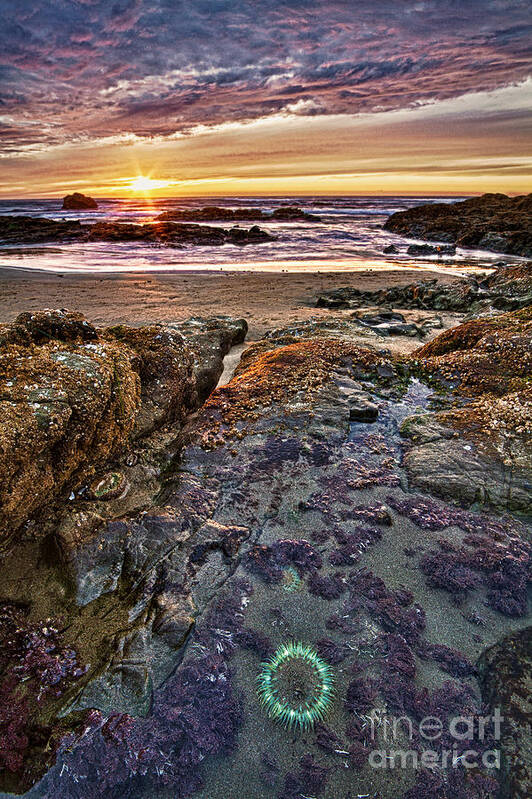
<point>265,299</point>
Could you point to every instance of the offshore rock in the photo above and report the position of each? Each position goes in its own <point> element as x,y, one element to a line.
<point>213,213</point>
<point>79,202</point>
<point>491,222</point>
<point>32,230</point>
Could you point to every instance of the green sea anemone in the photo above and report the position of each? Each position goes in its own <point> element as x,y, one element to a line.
<point>295,686</point>
<point>291,581</point>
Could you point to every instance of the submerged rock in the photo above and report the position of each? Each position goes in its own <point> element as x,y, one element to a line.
<point>491,222</point>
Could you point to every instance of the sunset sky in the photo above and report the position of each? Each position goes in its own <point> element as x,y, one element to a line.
<point>238,97</point>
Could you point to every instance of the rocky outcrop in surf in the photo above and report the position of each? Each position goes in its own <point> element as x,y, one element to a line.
<point>490,222</point>
<point>213,213</point>
<point>34,230</point>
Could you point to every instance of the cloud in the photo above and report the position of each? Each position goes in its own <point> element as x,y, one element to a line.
<point>92,69</point>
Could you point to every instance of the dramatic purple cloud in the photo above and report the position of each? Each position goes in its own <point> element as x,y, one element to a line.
<point>86,69</point>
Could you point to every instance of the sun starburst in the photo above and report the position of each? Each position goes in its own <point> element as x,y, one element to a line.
<point>145,185</point>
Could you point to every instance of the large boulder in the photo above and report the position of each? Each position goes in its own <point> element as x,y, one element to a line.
<point>79,202</point>
<point>69,402</point>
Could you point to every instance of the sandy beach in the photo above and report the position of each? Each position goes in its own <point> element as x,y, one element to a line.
<point>264,299</point>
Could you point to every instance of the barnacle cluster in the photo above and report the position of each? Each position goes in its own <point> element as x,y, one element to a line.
<point>295,686</point>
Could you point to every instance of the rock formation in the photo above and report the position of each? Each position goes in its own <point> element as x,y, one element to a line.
<point>79,202</point>
<point>33,230</point>
<point>213,213</point>
<point>509,287</point>
<point>491,222</point>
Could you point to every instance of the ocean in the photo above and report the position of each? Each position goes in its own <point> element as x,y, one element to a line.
<point>350,238</point>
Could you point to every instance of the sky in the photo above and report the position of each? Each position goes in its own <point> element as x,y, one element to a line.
<point>206,97</point>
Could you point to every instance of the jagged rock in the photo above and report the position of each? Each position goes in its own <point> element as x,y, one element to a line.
<point>492,222</point>
<point>390,249</point>
<point>210,340</point>
<point>74,398</point>
<point>79,202</point>
<point>67,405</point>
<point>164,364</point>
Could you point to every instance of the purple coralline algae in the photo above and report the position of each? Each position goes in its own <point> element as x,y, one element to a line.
<point>450,660</point>
<point>310,780</point>
<point>361,695</point>
<point>35,666</point>
<point>504,567</point>
<point>326,587</point>
<point>460,785</point>
<point>399,658</point>
<point>369,591</point>
<point>332,652</point>
<point>194,716</point>
<point>269,562</point>
<point>275,452</point>
<point>353,544</point>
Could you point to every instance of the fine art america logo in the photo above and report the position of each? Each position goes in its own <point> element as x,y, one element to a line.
<point>461,741</point>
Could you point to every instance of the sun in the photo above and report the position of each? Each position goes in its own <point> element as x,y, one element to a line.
<point>145,185</point>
